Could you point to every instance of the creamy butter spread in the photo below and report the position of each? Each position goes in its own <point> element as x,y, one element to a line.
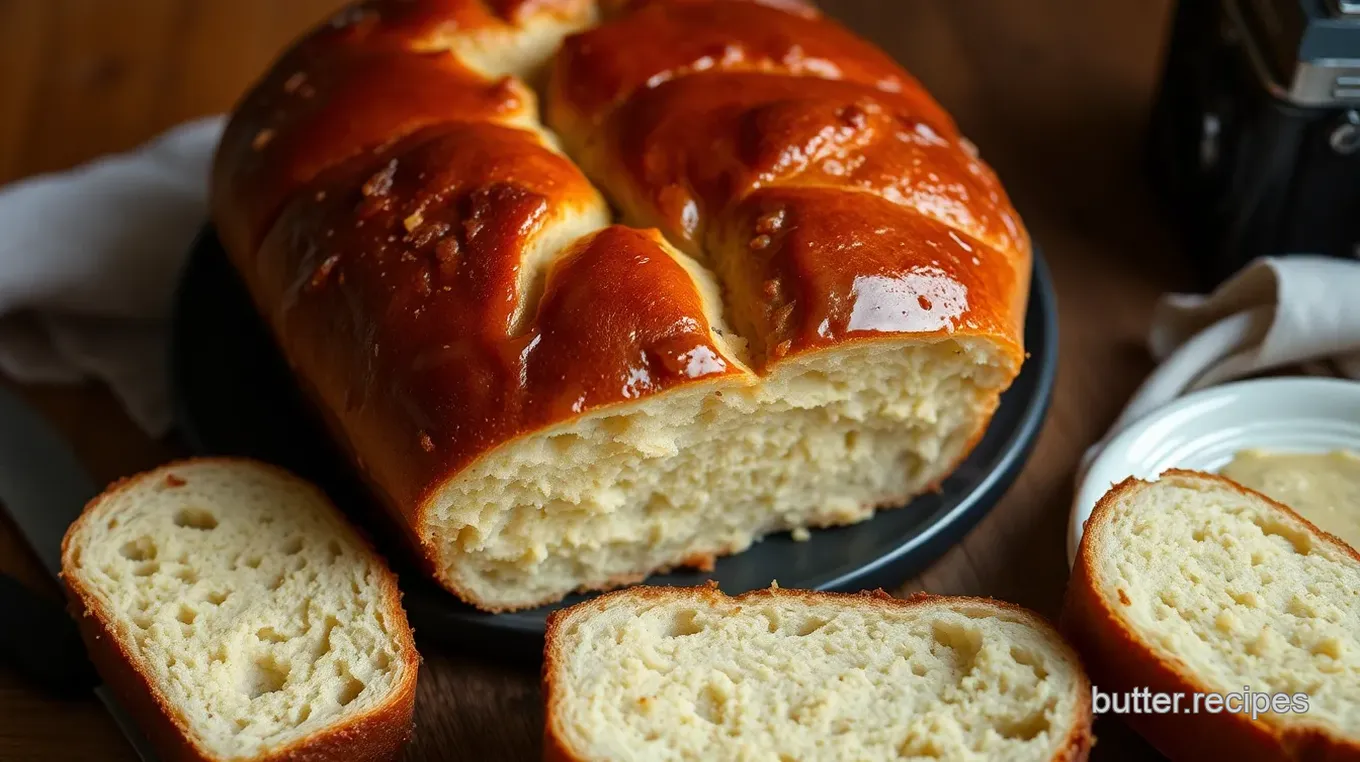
<point>1322,487</point>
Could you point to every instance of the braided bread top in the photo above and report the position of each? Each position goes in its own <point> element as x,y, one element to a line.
<point>444,278</point>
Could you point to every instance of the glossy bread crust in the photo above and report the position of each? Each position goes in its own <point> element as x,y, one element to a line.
<point>1076,747</point>
<point>376,736</point>
<point>750,121</point>
<point>445,280</point>
<point>318,109</point>
<point>373,73</point>
<point>1120,660</point>
<point>599,69</point>
<point>810,267</point>
<point>422,263</point>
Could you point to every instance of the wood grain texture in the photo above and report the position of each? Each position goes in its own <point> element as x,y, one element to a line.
<point>1055,92</point>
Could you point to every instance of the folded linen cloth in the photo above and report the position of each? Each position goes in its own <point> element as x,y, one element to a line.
<point>88,264</point>
<point>1278,312</point>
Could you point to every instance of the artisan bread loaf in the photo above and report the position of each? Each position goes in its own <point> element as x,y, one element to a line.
<point>671,674</point>
<point>809,313</point>
<point>1195,585</point>
<point>238,617</point>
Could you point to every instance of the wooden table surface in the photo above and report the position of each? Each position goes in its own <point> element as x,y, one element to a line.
<point>1055,92</point>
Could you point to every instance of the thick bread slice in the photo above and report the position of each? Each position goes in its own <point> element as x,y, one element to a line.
<point>237,616</point>
<point>672,674</point>
<point>1195,584</point>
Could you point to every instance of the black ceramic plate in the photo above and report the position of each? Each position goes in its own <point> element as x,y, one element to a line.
<point>234,395</point>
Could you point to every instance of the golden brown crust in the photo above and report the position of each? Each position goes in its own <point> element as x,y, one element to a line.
<point>346,88</point>
<point>1076,746</point>
<point>425,277</point>
<point>384,200</point>
<point>835,134</point>
<point>789,126</point>
<point>812,267</point>
<point>664,40</point>
<point>376,735</point>
<point>1120,660</point>
<point>375,72</point>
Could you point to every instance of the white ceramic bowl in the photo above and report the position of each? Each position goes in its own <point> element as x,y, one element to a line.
<point>1203,430</point>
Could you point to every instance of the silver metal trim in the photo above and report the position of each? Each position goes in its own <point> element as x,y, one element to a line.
<point>1345,137</point>
<point>1324,82</point>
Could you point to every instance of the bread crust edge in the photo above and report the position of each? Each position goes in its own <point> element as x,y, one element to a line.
<point>378,734</point>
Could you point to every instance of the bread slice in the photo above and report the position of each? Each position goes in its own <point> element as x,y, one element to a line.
<point>237,616</point>
<point>671,674</point>
<point>1195,584</point>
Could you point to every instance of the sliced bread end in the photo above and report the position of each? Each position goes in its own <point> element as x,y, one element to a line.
<point>237,616</point>
<point>1194,585</point>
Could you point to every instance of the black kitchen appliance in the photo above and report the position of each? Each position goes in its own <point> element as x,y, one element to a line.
<point>1255,134</point>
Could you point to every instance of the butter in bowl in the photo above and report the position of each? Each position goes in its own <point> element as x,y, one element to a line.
<point>1322,487</point>
<point>1294,439</point>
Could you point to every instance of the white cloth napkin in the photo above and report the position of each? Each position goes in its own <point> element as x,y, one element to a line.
<point>1277,312</point>
<point>88,263</point>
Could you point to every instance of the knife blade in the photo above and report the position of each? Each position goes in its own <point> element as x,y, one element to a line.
<point>43,488</point>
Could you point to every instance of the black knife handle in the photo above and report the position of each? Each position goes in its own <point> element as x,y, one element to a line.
<point>40,642</point>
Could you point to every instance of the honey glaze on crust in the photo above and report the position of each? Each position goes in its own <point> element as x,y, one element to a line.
<point>374,73</point>
<point>620,319</point>
<point>812,267</point>
<point>431,255</point>
<point>333,98</point>
<point>748,131</point>
<point>598,68</point>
